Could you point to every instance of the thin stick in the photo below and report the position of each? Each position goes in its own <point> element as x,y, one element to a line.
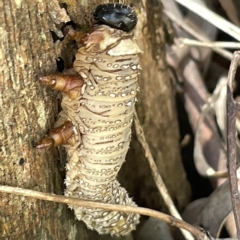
<point>226,54</point>
<point>232,108</point>
<point>191,42</point>
<point>157,177</point>
<point>201,163</point>
<point>113,207</point>
<point>212,17</point>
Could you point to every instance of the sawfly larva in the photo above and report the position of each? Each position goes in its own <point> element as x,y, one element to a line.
<point>98,104</point>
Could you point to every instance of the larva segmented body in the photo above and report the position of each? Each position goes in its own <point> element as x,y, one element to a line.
<point>101,113</point>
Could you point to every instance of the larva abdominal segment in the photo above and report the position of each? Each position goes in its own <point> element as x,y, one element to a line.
<point>98,104</point>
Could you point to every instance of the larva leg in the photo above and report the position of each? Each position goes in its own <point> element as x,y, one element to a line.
<point>78,36</point>
<point>62,135</point>
<point>68,84</point>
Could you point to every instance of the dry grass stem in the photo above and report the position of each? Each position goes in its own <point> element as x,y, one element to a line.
<point>114,207</point>
<point>191,42</point>
<point>226,54</point>
<point>156,176</point>
<point>206,113</point>
<point>212,17</point>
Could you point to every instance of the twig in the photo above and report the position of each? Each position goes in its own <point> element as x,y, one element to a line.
<point>212,17</point>
<point>207,111</point>
<point>201,164</point>
<point>113,207</point>
<point>226,54</point>
<point>232,108</point>
<point>156,176</point>
<point>191,42</point>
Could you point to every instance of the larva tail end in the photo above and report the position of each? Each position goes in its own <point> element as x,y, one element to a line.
<point>103,221</point>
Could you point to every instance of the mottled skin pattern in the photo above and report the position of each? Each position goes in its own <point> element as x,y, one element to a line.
<point>102,117</point>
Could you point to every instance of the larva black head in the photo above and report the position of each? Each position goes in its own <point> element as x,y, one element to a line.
<point>116,15</point>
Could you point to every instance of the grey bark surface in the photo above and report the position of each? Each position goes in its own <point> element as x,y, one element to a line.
<point>28,110</point>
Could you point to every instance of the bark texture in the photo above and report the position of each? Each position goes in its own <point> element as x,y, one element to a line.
<point>28,110</point>
<point>157,112</point>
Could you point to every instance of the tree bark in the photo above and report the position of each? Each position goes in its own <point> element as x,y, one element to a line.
<point>157,112</point>
<point>28,110</point>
